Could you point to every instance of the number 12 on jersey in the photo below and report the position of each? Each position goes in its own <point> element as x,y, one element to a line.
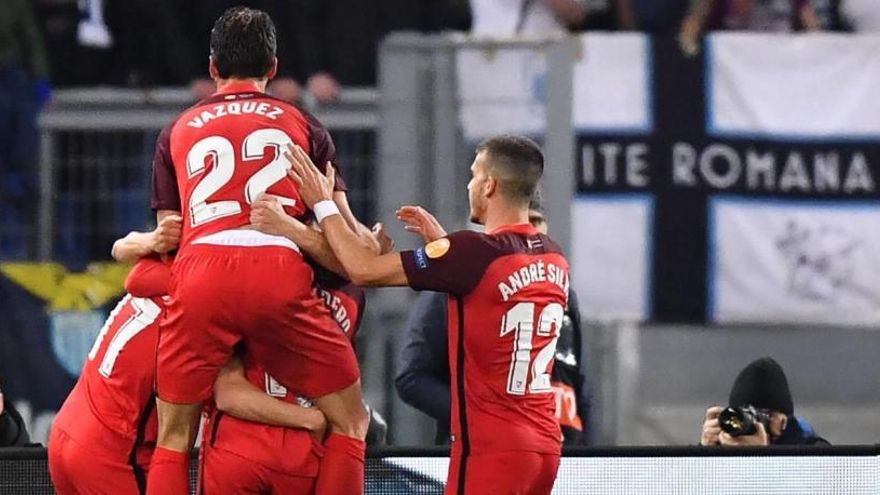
<point>521,321</point>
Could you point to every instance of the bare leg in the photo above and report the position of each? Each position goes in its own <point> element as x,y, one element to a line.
<point>169,469</point>
<point>342,468</point>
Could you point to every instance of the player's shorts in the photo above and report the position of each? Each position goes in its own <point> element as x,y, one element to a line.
<point>260,294</point>
<point>77,469</point>
<point>224,472</point>
<point>505,473</point>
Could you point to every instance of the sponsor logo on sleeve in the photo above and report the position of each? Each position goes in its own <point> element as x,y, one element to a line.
<point>421,258</point>
<point>437,248</point>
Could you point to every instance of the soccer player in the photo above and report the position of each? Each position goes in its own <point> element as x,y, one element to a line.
<point>264,455</point>
<point>232,284</point>
<point>507,296</point>
<point>103,437</point>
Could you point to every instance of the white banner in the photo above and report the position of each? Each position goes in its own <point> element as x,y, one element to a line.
<point>611,256</point>
<point>782,261</point>
<point>504,90</point>
<point>793,87</point>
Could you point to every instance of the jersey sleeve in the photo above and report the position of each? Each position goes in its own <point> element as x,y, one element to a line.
<point>454,264</point>
<point>165,195</point>
<point>323,150</point>
<point>150,277</point>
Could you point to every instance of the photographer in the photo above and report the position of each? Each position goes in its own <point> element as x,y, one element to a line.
<point>761,412</point>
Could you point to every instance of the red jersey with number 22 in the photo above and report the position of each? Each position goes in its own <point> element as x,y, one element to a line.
<point>508,292</point>
<point>217,158</point>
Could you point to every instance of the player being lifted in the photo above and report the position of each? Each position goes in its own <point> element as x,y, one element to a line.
<point>507,295</point>
<point>103,437</point>
<point>232,284</point>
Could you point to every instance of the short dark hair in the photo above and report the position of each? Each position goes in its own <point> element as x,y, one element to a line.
<point>517,163</point>
<point>243,43</point>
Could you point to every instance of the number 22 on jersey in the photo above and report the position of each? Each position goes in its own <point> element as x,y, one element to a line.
<point>222,153</point>
<point>526,375</point>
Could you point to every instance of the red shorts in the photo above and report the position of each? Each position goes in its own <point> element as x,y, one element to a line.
<point>222,472</point>
<point>506,473</point>
<point>78,470</point>
<point>263,296</point>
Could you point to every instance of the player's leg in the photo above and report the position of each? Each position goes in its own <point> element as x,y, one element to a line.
<point>225,472</point>
<point>284,484</point>
<point>169,468</point>
<point>342,467</point>
<point>508,473</point>
<point>76,470</point>
<point>301,346</point>
<point>59,445</point>
<point>195,341</point>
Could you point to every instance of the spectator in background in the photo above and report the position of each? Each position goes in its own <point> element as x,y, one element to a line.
<point>608,15</point>
<point>510,17</point>
<point>423,378</point>
<point>12,429</point>
<point>763,385</point>
<point>861,15</point>
<point>660,16</point>
<point>339,40</point>
<point>24,88</point>
<point>779,16</point>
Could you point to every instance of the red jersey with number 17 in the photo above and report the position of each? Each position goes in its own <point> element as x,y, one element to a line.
<point>508,290</point>
<point>111,409</point>
<point>217,158</point>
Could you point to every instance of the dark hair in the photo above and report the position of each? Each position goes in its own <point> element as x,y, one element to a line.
<point>517,164</point>
<point>243,43</point>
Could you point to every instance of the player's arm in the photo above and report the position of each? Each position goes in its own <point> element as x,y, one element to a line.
<point>268,216</point>
<point>238,397</point>
<point>164,238</point>
<point>363,265</point>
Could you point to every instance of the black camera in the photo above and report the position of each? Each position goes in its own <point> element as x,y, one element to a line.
<point>742,421</point>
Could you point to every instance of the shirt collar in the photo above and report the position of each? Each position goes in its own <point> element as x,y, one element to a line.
<point>521,228</point>
<point>240,87</point>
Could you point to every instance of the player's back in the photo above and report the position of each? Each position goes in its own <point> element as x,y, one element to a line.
<point>218,156</point>
<point>112,406</point>
<point>508,292</point>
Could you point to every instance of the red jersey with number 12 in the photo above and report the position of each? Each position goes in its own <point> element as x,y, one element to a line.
<point>508,291</point>
<point>221,154</point>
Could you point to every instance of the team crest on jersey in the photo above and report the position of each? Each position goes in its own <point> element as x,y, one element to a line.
<point>437,248</point>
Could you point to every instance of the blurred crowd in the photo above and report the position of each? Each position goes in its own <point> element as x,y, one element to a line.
<point>325,44</point>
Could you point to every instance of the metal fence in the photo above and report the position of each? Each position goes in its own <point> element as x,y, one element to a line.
<point>94,170</point>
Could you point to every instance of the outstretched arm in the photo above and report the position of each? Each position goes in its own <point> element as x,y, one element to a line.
<point>238,397</point>
<point>165,237</point>
<point>269,217</point>
<point>362,264</point>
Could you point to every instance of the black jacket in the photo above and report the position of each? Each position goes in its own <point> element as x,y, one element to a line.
<point>12,430</point>
<point>423,373</point>
<point>799,432</point>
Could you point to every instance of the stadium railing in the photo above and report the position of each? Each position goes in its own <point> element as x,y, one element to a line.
<point>94,171</point>
<point>853,470</point>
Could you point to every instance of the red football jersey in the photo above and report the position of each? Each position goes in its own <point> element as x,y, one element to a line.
<point>112,407</point>
<point>217,157</point>
<point>508,291</point>
<point>279,448</point>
